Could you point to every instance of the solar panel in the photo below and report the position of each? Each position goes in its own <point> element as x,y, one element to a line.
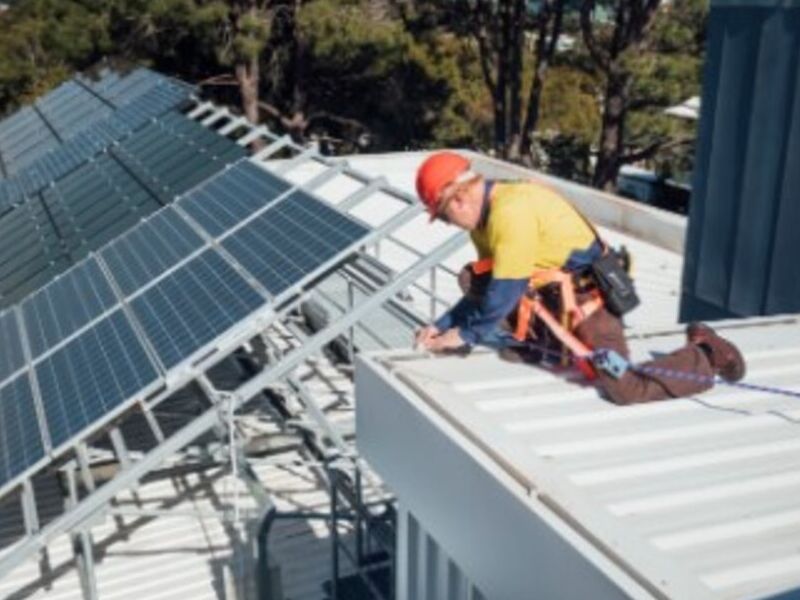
<point>169,158</point>
<point>41,144</point>
<point>27,245</point>
<point>232,197</point>
<point>158,100</point>
<point>11,356</point>
<point>20,436</point>
<point>66,305</point>
<point>71,107</point>
<point>27,138</point>
<point>100,83</point>
<point>193,305</point>
<point>149,250</point>
<point>121,90</point>
<point>92,375</point>
<point>102,199</point>
<point>291,240</point>
<point>92,357</point>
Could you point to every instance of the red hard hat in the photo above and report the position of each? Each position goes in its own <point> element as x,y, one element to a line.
<point>436,173</point>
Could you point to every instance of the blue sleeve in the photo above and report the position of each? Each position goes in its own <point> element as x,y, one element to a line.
<point>502,295</point>
<point>461,313</point>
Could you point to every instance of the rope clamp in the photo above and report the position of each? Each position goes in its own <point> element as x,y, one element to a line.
<point>610,362</point>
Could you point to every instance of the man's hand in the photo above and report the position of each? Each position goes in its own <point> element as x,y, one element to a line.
<point>425,336</point>
<point>449,340</point>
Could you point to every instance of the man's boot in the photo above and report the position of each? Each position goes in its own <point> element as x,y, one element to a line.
<point>725,358</point>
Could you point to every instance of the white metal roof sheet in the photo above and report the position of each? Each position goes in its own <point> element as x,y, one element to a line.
<point>698,496</point>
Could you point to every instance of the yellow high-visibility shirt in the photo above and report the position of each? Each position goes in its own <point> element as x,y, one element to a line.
<point>529,227</point>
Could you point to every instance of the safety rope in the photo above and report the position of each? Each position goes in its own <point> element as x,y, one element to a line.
<point>605,359</point>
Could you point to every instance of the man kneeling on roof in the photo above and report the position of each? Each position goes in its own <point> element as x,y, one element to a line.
<point>544,273</point>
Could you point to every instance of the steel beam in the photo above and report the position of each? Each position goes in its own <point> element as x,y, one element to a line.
<point>84,556</point>
<point>200,109</point>
<point>29,513</point>
<point>98,500</point>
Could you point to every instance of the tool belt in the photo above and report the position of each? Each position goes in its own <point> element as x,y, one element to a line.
<point>572,312</point>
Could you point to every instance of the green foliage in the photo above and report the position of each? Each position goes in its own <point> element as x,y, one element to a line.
<point>409,76</point>
<point>409,92</point>
<point>43,41</point>
<point>569,105</point>
<point>567,156</point>
<point>668,74</point>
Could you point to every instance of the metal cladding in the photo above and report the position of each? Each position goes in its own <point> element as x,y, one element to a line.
<point>688,498</point>
<point>743,242</point>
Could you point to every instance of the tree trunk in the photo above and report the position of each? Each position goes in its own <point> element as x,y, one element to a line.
<point>613,131</point>
<point>247,74</point>
<point>501,85</point>
<point>549,30</point>
<point>516,42</point>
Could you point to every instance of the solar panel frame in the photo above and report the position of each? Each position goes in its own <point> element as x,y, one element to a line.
<point>21,443</point>
<point>12,356</point>
<point>193,305</point>
<point>80,354</point>
<point>64,307</point>
<point>81,388</point>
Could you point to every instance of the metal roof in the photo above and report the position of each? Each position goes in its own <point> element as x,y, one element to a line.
<point>184,548</point>
<point>693,498</point>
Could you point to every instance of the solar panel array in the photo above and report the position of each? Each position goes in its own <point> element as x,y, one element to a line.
<point>73,123</point>
<point>111,330</point>
<point>98,201</point>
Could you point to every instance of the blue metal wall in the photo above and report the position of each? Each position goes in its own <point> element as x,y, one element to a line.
<point>743,243</point>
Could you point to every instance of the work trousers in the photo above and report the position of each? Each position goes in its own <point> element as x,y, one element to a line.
<point>603,330</point>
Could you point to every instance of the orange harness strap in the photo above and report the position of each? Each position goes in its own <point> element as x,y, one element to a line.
<point>580,350</point>
<point>574,314</point>
<point>482,266</point>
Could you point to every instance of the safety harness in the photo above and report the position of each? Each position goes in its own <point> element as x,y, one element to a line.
<point>612,289</point>
<point>572,314</point>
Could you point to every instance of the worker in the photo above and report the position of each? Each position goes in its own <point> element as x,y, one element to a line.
<point>521,229</point>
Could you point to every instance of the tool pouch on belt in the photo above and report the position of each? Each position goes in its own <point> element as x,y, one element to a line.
<point>474,281</point>
<point>612,279</point>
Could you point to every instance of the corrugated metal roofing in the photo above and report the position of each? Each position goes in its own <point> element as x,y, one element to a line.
<point>176,554</point>
<point>697,496</point>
